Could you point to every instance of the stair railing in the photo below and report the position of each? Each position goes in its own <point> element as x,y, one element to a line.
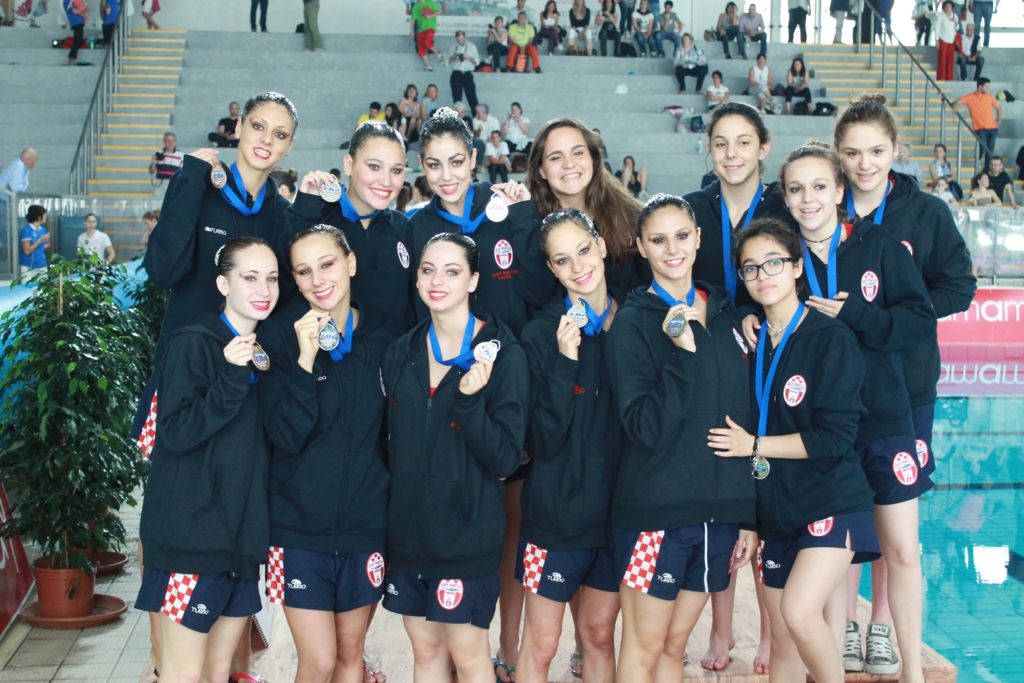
<point>91,139</point>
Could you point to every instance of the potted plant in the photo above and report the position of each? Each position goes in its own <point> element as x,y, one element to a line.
<point>74,363</point>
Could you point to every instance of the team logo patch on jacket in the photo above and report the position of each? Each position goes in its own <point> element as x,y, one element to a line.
<point>905,469</point>
<point>449,593</point>
<point>794,391</point>
<point>823,527</point>
<point>503,254</point>
<point>375,569</point>
<point>403,255</point>
<point>869,285</point>
<point>922,452</point>
<point>740,340</point>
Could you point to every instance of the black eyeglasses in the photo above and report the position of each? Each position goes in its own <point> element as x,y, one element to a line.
<point>770,267</point>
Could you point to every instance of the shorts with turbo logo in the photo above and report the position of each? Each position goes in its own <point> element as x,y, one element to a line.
<point>448,601</point>
<point>924,420</point>
<point>893,469</point>
<point>558,574</point>
<point>307,579</point>
<point>197,601</point>
<point>775,558</point>
<point>662,563</point>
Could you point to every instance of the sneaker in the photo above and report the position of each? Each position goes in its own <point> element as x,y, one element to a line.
<point>853,654</point>
<point>882,657</point>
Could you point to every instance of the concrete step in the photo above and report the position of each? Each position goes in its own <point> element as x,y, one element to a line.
<point>156,119</point>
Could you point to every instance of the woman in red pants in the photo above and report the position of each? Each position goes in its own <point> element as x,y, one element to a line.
<point>946,25</point>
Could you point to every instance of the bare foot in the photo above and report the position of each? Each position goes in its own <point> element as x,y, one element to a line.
<point>717,657</point>
<point>371,675</point>
<point>761,658</point>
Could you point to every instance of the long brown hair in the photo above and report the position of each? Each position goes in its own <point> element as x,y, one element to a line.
<point>615,210</point>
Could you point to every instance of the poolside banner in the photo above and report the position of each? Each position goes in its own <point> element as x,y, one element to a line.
<point>15,574</point>
<point>982,348</point>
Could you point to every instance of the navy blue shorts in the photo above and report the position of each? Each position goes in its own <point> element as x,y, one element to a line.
<point>558,574</point>
<point>775,558</point>
<point>196,602</point>
<point>924,419</point>
<point>893,469</point>
<point>448,601</point>
<point>307,579</point>
<point>690,558</point>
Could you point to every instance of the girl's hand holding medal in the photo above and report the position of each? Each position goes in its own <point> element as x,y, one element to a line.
<point>307,329</point>
<point>239,350</point>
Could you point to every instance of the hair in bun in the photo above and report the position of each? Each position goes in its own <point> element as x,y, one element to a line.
<point>869,108</point>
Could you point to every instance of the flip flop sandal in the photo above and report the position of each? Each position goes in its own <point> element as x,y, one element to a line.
<point>510,669</point>
<point>246,678</point>
<point>373,672</point>
<point>576,664</point>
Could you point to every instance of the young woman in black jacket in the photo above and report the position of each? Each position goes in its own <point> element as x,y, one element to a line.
<point>375,166</point>
<point>205,521</point>
<point>457,387</point>
<point>866,138</point>
<point>678,368</point>
<point>813,500</point>
<point>575,437</point>
<point>323,408</point>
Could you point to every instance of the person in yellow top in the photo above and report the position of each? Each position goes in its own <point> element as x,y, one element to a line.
<point>375,114</point>
<point>986,124</point>
<point>520,35</point>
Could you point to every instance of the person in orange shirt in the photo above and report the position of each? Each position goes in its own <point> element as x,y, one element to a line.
<point>980,104</point>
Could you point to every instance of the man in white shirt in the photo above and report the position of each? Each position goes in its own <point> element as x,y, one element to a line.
<point>752,29</point>
<point>520,6</point>
<point>718,92</point>
<point>95,241</point>
<point>14,178</point>
<point>484,124</point>
<point>463,59</point>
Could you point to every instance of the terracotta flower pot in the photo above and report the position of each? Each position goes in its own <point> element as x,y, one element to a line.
<point>63,593</point>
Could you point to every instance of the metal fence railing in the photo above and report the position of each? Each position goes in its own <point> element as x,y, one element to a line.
<point>995,238</point>
<point>102,100</point>
<point>8,234</point>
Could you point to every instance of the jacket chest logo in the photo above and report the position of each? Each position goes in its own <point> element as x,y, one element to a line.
<point>869,285</point>
<point>403,255</point>
<point>216,231</point>
<point>740,341</point>
<point>503,254</point>
<point>794,391</point>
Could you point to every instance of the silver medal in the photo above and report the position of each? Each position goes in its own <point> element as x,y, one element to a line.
<point>487,350</point>
<point>578,314</point>
<point>496,210</point>
<point>260,358</point>
<point>329,338</point>
<point>330,192</point>
<point>676,325</point>
<point>760,467</point>
<point>218,177</point>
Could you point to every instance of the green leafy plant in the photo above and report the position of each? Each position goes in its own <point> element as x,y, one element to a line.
<point>74,366</point>
<point>151,303</point>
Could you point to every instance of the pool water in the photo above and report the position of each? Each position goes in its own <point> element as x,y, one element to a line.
<point>972,539</point>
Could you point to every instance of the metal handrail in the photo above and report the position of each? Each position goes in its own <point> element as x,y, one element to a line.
<point>9,217</point>
<point>102,100</point>
<point>962,123</point>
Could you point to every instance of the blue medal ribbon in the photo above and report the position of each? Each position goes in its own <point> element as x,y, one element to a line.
<point>671,300</point>
<point>465,358</point>
<point>763,387</point>
<point>348,212</point>
<point>345,345</point>
<point>254,376</point>
<point>595,322</point>
<point>730,271</point>
<point>879,212</point>
<point>234,200</point>
<point>468,224</point>
<point>812,277</point>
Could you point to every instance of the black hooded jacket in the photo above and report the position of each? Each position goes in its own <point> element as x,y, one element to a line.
<point>205,510</point>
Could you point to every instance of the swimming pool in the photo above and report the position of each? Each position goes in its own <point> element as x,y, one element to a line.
<point>972,539</point>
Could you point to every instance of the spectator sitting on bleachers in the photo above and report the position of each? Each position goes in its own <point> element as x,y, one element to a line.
<point>409,106</point>
<point>999,181</point>
<point>635,181</point>
<point>424,13</point>
<point>34,241</point>
<point>521,35</point>
<point>981,194</point>
<point>516,130</point>
<point>718,92</point>
<point>549,26</point>
<point>752,29</point>
<point>421,195</point>
<point>761,82</point>
<point>922,24</point>
<point>941,190</point>
<point>484,124</point>
<point>669,28</point>
<point>393,117</point>
<point>374,114</point>
<point>604,150</point>
<point>797,85</point>
<point>941,168</point>
<point>729,28</point>
<point>496,154</point>
<point>225,135</point>
<point>608,21</point>
<point>286,183</point>
<point>497,44</point>
<point>970,41</point>
<point>149,221</point>
<point>478,143</point>
<point>643,29</point>
<point>429,104</point>
<point>166,163</point>
<point>513,15</point>
<point>690,61</point>
<point>904,164</point>
<point>463,58</point>
<point>579,27</point>
<point>95,241</point>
